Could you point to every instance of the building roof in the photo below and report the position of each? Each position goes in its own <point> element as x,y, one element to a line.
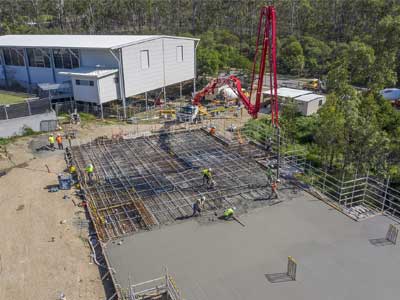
<point>300,95</point>
<point>77,41</point>
<point>309,97</point>
<point>289,93</point>
<point>89,72</point>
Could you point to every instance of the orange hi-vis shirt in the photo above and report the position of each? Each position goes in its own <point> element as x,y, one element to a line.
<point>59,139</point>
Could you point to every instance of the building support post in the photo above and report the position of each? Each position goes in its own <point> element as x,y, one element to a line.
<point>195,67</point>
<point>3,63</point>
<point>180,90</point>
<point>26,62</point>
<point>101,110</point>
<point>53,66</point>
<point>163,61</point>
<point>146,100</point>
<point>120,79</point>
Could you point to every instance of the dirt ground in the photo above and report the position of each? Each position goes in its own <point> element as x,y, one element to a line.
<point>44,249</point>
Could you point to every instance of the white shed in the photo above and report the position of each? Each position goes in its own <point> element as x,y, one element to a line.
<point>307,102</point>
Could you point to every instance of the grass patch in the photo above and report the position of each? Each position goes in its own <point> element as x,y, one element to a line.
<point>26,132</point>
<point>7,97</point>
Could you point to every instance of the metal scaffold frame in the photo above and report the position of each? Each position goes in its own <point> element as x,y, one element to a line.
<point>155,179</point>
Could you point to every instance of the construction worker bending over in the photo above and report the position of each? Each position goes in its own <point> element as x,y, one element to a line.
<point>59,142</point>
<point>274,189</point>
<point>228,213</point>
<point>198,206</point>
<point>89,171</point>
<point>51,142</point>
<point>207,176</point>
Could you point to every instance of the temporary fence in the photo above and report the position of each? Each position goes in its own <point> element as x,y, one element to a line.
<point>29,107</point>
<point>358,195</point>
<point>163,287</point>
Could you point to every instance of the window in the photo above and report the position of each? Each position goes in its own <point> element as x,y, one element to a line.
<point>320,102</point>
<point>144,59</point>
<point>66,58</point>
<point>14,57</point>
<point>38,58</point>
<point>179,53</point>
<point>84,82</point>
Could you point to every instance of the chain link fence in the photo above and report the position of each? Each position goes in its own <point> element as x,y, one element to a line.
<point>24,109</point>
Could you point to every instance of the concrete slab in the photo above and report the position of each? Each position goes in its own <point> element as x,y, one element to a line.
<point>224,260</point>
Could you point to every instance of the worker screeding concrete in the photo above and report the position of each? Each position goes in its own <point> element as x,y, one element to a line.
<point>228,213</point>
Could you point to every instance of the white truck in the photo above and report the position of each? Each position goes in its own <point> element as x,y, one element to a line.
<point>188,113</point>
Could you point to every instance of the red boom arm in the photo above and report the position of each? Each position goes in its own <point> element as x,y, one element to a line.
<point>266,37</point>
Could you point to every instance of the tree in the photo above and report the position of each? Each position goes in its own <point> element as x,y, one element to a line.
<point>288,116</point>
<point>329,134</point>
<point>316,55</point>
<point>361,60</point>
<point>291,57</point>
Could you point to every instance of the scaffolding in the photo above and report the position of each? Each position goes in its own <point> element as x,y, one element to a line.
<point>361,196</point>
<point>154,179</point>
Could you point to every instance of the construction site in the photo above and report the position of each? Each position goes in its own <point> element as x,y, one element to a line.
<point>190,206</point>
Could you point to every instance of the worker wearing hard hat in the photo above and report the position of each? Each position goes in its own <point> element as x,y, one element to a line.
<point>228,213</point>
<point>89,170</point>
<point>51,141</point>
<point>198,206</point>
<point>59,142</point>
<point>207,176</point>
<point>274,189</point>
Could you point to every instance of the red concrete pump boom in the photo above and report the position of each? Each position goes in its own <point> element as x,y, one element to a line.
<point>267,39</point>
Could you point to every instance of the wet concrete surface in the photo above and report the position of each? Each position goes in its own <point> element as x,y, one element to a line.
<point>224,260</point>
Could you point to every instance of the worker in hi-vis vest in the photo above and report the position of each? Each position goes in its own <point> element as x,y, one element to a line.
<point>89,170</point>
<point>228,213</point>
<point>207,175</point>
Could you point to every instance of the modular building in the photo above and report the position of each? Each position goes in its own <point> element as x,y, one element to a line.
<point>97,68</point>
<point>307,102</point>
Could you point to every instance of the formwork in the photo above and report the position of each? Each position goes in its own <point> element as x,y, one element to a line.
<point>154,180</point>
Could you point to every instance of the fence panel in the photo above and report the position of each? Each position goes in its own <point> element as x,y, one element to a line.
<point>48,125</point>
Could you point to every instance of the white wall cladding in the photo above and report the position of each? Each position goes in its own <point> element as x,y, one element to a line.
<point>85,93</point>
<point>176,71</point>
<point>108,89</point>
<point>93,57</point>
<point>136,79</point>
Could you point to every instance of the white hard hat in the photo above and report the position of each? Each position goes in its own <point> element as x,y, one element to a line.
<point>203,198</point>
<point>209,169</point>
<point>278,180</point>
<point>234,208</point>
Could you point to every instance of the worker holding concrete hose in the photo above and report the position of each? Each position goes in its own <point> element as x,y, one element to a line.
<point>89,170</point>
<point>207,176</point>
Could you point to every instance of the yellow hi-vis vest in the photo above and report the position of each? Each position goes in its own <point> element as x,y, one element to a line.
<point>229,212</point>
<point>51,139</point>
<point>89,169</point>
<point>206,172</point>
